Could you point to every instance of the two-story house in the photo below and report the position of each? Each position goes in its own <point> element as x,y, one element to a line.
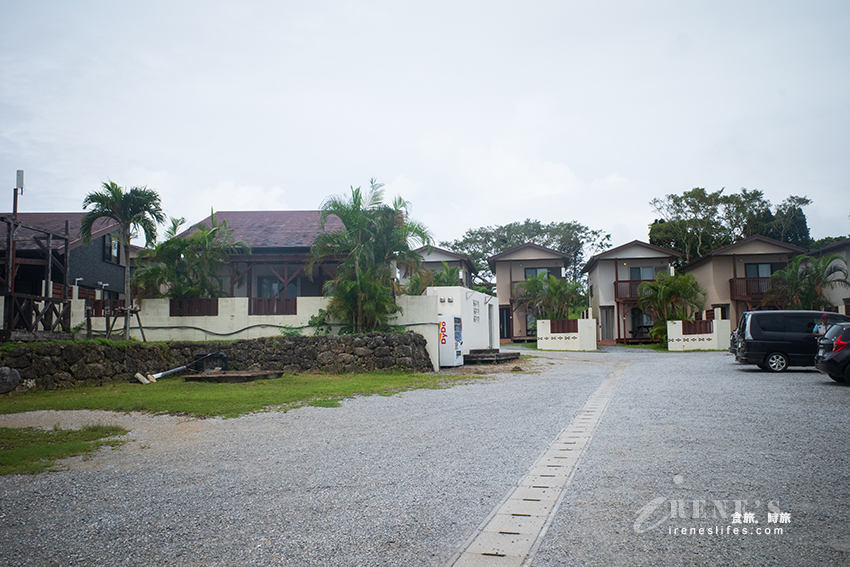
<point>516,265</point>
<point>433,259</point>
<point>613,277</point>
<point>736,277</point>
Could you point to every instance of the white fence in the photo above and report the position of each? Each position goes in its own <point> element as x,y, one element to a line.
<point>573,334</point>
<point>699,335</point>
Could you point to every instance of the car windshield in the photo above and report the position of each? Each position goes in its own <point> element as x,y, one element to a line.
<point>834,331</point>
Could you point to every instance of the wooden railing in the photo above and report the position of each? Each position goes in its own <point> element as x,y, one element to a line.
<point>563,326</point>
<point>705,327</point>
<point>35,313</point>
<point>272,306</point>
<point>627,289</point>
<point>748,288</point>
<point>195,307</point>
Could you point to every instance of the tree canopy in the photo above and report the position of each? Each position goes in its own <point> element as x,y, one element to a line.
<point>572,238</point>
<point>670,298</point>
<point>549,297</point>
<point>697,221</point>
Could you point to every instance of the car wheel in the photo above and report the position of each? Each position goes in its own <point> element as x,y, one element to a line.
<point>776,362</point>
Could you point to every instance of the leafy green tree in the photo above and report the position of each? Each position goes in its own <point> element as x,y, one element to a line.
<point>187,266</point>
<point>135,209</point>
<point>803,283</point>
<point>789,222</point>
<point>697,221</point>
<point>670,298</point>
<point>375,240</point>
<point>417,283</point>
<point>569,237</point>
<point>549,297</point>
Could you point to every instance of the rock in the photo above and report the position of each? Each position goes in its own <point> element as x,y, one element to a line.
<point>9,379</point>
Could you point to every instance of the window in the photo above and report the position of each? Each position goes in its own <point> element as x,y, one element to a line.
<point>764,270</point>
<point>642,274</point>
<point>772,322</point>
<point>111,249</point>
<point>534,272</point>
<point>270,286</point>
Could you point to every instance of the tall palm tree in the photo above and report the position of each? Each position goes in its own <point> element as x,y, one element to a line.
<point>375,239</point>
<point>137,208</point>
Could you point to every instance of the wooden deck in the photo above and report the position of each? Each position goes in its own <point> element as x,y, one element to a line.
<point>489,355</point>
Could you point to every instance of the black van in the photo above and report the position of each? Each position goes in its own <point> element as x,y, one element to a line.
<point>775,340</point>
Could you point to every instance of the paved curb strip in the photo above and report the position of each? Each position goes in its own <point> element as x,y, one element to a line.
<point>511,535</point>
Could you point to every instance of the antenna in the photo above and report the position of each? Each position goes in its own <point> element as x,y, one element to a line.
<point>19,185</point>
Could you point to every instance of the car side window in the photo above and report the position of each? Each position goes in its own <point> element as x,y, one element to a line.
<point>772,322</point>
<point>795,323</point>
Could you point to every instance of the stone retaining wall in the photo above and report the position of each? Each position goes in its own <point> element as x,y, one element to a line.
<point>52,366</point>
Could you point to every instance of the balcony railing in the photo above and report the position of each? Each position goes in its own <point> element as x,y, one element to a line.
<point>748,288</point>
<point>273,306</point>
<point>627,290</point>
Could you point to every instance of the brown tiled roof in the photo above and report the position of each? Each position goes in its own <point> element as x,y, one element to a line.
<point>273,229</point>
<point>55,223</point>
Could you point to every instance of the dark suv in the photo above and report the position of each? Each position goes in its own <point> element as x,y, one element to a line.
<point>775,340</point>
<point>834,353</point>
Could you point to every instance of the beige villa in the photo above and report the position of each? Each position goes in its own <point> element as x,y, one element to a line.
<point>613,277</point>
<point>737,276</point>
<point>512,267</point>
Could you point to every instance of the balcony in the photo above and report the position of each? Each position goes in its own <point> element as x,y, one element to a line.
<point>748,289</point>
<point>627,290</point>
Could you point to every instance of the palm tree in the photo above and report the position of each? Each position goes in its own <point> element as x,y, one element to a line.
<point>448,276</point>
<point>138,208</point>
<point>802,284</point>
<point>549,297</point>
<point>187,265</point>
<point>375,239</point>
<point>670,298</point>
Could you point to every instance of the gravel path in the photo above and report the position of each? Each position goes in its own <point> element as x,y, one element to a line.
<point>405,480</point>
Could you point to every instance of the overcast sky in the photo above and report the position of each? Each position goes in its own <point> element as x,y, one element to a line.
<point>478,113</point>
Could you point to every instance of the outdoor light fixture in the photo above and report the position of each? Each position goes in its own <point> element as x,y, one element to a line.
<point>77,281</point>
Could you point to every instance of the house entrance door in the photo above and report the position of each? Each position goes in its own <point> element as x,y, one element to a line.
<point>505,331</point>
<point>606,322</point>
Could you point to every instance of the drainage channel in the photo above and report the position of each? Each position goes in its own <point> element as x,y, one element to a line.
<point>512,533</point>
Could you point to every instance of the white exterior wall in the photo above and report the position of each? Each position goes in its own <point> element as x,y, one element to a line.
<point>584,339</point>
<point>419,313</point>
<point>481,330</point>
<point>716,340</point>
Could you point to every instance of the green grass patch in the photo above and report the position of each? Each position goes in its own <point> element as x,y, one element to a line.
<point>31,451</point>
<point>203,399</point>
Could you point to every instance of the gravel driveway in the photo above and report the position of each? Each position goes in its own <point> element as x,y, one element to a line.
<point>406,480</point>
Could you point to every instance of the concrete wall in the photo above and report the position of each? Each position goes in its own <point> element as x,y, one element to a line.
<point>584,339</point>
<point>233,322</point>
<point>718,339</point>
